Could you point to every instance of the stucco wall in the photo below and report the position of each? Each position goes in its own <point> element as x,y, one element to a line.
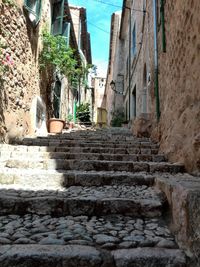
<point>179,80</point>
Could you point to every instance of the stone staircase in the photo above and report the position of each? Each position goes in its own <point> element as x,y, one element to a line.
<point>85,198</point>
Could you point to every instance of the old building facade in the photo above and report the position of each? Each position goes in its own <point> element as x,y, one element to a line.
<point>29,96</point>
<point>113,98</point>
<point>98,107</point>
<point>160,75</point>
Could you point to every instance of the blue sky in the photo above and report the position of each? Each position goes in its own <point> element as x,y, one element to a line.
<point>99,14</point>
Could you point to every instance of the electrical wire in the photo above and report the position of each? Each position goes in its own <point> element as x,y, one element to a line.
<point>133,9</point>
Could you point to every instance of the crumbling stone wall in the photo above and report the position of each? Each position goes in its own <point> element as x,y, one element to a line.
<point>20,80</point>
<point>179,81</point>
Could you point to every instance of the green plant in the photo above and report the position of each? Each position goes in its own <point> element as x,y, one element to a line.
<point>83,113</point>
<point>118,118</point>
<point>56,53</point>
<point>70,117</point>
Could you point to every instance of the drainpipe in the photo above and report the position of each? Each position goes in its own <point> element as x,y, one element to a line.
<point>156,60</point>
<point>129,65</point>
<point>162,15</point>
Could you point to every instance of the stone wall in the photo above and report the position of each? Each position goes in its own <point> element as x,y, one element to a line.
<point>178,129</point>
<point>20,79</point>
<point>179,80</point>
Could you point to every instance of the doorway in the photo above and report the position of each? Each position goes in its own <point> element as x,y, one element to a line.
<point>56,99</point>
<point>134,108</point>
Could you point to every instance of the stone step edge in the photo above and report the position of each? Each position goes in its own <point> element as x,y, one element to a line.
<point>89,165</point>
<point>69,178</point>
<point>76,156</point>
<point>79,255</point>
<point>67,149</point>
<point>76,206</point>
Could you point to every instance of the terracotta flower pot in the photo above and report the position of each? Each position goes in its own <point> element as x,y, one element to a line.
<point>71,125</point>
<point>56,125</point>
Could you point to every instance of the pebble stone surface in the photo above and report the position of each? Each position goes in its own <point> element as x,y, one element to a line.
<point>115,191</point>
<point>96,214</point>
<point>109,232</point>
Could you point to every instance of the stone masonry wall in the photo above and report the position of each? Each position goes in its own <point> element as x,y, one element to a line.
<point>20,82</point>
<point>179,80</point>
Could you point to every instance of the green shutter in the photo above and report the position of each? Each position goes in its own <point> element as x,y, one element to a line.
<point>38,8</point>
<point>66,32</point>
<point>57,19</point>
<point>34,7</point>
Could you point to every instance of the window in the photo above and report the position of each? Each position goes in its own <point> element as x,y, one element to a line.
<point>57,17</point>
<point>127,67</point>
<point>60,25</point>
<point>34,8</point>
<point>66,32</point>
<point>134,41</point>
<point>133,107</point>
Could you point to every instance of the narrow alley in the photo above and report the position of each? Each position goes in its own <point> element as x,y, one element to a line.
<point>99,133</point>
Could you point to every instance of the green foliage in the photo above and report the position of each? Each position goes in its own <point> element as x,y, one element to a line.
<point>118,119</point>
<point>70,117</point>
<point>56,53</point>
<point>83,113</point>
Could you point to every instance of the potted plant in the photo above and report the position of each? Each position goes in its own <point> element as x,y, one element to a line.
<point>55,125</point>
<point>70,121</point>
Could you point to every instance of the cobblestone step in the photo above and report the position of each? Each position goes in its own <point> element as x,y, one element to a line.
<point>35,149</point>
<point>87,256</point>
<point>23,178</point>
<point>90,137</point>
<point>89,143</point>
<point>76,200</point>
<point>85,198</point>
<point>105,232</point>
<point>82,156</point>
<point>93,138</point>
<point>93,165</point>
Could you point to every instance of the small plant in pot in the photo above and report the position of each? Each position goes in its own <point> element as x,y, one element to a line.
<point>56,125</point>
<point>70,122</point>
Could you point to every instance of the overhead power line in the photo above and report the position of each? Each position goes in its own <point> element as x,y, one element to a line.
<point>109,4</point>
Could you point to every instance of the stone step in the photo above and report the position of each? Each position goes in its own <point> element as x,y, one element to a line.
<point>93,165</point>
<point>76,200</point>
<point>95,138</point>
<point>35,149</point>
<point>89,137</point>
<point>87,256</point>
<point>82,156</point>
<point>24,178</point>
<point>89,143</point>
<point>105,232</point>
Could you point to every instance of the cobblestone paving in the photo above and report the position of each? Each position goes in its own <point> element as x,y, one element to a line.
<point>115,191</point>
<point>107,232</point>
<point>97,209</point>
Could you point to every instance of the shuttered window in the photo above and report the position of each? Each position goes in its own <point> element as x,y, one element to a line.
<point>66,32</point>
<point>57,18</point>
<point>34,9</point>
<point>134,41</point>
